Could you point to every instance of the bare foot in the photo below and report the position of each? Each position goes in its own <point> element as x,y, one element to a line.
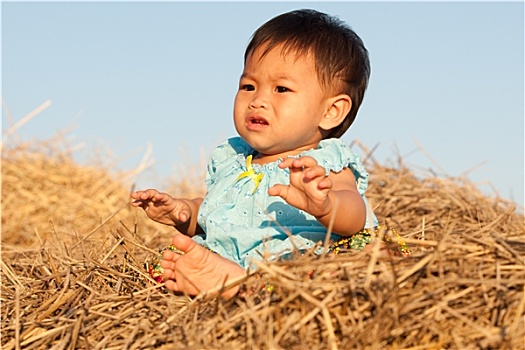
<point>198,270</point>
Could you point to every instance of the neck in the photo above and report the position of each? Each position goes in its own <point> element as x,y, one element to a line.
<point>262,158</point>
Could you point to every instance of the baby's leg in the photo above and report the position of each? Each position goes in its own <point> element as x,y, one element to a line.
<point>366,239</point>
<point>198,269</point>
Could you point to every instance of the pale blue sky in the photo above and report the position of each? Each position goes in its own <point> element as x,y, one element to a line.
<point>447,77</point>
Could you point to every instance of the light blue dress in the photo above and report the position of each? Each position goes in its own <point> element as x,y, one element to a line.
<point>242,223</point>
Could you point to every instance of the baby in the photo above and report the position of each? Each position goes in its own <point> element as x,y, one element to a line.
<point>287,179</point>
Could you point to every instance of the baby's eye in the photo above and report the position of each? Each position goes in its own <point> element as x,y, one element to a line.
<point>247,87</point>
<point>281,89</point>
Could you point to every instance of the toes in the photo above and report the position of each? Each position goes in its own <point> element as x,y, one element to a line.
<point>171,285</point>
<point>167,264</point>
<point>184,243</point>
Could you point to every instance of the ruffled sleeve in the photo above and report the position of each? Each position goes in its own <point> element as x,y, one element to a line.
<point>335,155</point>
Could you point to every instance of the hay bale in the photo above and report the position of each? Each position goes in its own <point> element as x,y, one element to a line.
<point>73,277</point>
<point>47,196</point>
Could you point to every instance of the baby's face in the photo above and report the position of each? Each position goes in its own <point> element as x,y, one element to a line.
<point>280,104</point>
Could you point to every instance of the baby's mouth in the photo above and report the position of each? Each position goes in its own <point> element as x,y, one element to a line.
<point>257,120</point>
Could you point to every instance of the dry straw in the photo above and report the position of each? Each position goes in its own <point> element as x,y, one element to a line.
<point>73,277</point>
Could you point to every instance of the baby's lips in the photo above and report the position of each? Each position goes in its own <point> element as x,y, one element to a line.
<point>257,120</point>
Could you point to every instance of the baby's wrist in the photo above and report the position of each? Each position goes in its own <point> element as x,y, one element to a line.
<point>328,209</point>
<point>324,214</point>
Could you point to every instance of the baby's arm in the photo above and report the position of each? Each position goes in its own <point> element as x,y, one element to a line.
<point>323,196</point>
<point>163,208</point>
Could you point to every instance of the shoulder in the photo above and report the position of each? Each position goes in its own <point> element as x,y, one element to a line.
<point>231,147</point>
<point>333,154</point>
<point>228,151</point>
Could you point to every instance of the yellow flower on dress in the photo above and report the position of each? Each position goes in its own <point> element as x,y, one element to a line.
<point>250,173</point>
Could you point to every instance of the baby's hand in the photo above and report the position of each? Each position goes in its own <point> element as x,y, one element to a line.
<point>162,207</point>
<point>309,186</point>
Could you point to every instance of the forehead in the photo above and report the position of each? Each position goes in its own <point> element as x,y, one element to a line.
<point>280,52</point>
<point>286,51</point>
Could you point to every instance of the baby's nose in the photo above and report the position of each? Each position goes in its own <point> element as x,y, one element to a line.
<point>259,100</point>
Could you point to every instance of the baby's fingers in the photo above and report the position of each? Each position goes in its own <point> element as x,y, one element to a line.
<point>301,162</point>
<point>298,163</point>
<point>136,200</point>
<point>287,163</point>
<point>184,215</point>
<point>146,195</point>
<point>306,165</point>
<point>279,191</point>
<point>305,162</point>
<point>316,172</point>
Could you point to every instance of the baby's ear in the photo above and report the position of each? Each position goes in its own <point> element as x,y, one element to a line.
<point>337,109</point>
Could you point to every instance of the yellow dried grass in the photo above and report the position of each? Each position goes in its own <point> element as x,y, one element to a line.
<point>72,274</point>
